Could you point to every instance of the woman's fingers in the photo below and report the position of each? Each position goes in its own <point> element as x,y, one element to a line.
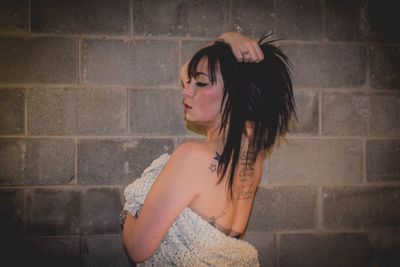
<point>248,56</point>
<point>251,52</point>
<point>244,48</point>
<point>259,52</point>
<point>238,54</point>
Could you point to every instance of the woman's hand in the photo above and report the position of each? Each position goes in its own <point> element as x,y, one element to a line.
<point>244,48</point>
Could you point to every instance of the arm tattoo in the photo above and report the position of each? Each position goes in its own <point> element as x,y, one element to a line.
<point>245,189</point>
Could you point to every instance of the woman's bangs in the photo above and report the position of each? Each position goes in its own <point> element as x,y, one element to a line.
<point>212,60</point>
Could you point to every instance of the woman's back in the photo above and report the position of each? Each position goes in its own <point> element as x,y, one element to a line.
<point>191,240</point>
<point>213,202</point>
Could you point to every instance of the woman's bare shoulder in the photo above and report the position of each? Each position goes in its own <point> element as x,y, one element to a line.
<point>191,159</point>
<point>191,150</point>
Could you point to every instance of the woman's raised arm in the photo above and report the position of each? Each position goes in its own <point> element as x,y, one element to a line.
<point>244,48</point>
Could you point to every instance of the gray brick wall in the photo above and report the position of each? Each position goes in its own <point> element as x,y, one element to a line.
<point>90,95</point>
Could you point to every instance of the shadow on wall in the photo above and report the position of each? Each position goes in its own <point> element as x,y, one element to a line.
<point>283,228</point>
<point>20,250</point>
<point>269,223</point>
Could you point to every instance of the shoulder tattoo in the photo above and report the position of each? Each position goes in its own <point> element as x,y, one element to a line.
<point>213,165</point>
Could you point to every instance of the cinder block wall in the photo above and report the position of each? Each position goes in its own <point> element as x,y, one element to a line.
<point>90,95</point>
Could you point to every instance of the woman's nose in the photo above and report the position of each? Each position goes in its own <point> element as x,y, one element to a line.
<point>187,89</point>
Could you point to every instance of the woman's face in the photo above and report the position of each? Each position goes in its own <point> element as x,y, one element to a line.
<point>201,99</point>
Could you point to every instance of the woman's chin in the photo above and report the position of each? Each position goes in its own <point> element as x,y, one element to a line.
<point>194,127</point>
<point>190,120</point>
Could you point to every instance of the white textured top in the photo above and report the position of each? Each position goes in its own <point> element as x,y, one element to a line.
<point>191,240</point>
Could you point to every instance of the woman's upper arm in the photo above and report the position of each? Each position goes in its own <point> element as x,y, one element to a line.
<point>174,189</point>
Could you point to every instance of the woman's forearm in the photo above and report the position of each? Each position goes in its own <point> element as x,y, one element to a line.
<point>129,225</point>
<point>137,250</point>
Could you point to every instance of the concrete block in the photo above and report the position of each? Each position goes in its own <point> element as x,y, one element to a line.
<point>72,211</point>
<point>189,48</point>
<point>49,161</point>
<point>203,18</point>
<point>346,20</point>
<point>317,161</point>
<point>284,208</point>
<point>299,20</point>
<point>103,250</point>
<point>99,210</point>
<point>11,208</point>
<point>65,111</point>
<point>12,241</point>
<point>345,113</point>
<point>385,248</point>
<point>157,112</point>
<point>254,18</point>
<point>307,113</point>
<point>82,17</point>
<point>266,246</point>
<point>381,16</point>
<point>384,67</point>
<point>12,111</point>
<point>130,62</point>
<point>316,65</point>
<point>53,251</point>
<point>328,250</point>
<point>38,60</point>
<point>11,226</point>
<point>362,20</point>
<point>385,114</point>
<point>13,16</point>
<point>266,173</point>
<point>360,207</point>
<point>37,161</point>
<point>52,211</point>
<point>383,157</point>
<point>11,163</point>
<point>119,161</point>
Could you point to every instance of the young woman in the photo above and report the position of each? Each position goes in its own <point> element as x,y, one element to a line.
<point>191,208</point>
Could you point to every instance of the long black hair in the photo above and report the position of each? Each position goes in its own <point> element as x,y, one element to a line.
<point>255,94</point>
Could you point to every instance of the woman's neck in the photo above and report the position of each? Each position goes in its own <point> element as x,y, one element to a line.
<point>213,135</point>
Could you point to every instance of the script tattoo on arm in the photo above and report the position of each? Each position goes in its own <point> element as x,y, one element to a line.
<point>245,189</point>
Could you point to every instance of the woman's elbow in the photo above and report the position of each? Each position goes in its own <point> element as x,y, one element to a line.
<point>136,251</point>
<point>136,255</point>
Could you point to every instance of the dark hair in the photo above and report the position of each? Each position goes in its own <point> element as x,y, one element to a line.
<point>257,93</point>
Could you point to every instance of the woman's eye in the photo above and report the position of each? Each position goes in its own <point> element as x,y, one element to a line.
<point>200,84</point>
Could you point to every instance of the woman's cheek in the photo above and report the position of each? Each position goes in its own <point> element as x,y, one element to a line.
<point>209,108</point>
<point>208,103</point>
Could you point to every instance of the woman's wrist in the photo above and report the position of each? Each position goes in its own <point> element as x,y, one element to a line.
<point>125,213</point>
<point>226,37</point>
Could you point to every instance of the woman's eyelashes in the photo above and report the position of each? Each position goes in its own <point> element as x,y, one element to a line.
<point>198,84</point>
<point>201,84</point>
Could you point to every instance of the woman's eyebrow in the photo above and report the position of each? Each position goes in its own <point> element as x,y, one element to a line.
<point>200,73</point>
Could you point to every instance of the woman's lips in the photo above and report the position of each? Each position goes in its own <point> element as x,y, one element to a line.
<point>186,106</point>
